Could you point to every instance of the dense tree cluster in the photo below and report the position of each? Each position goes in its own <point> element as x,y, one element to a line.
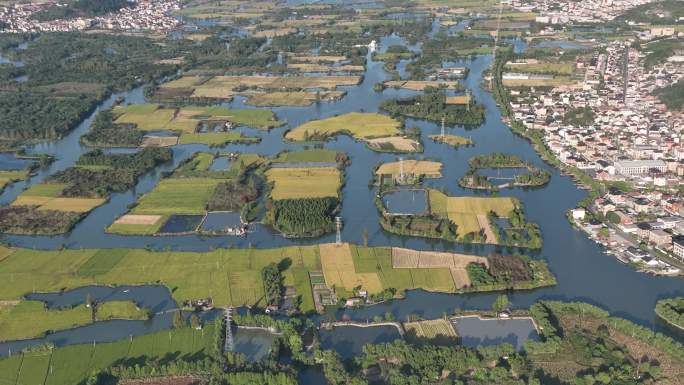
<point>671,310</point>
<point>431,105</point>
<point>579,117</point>
<point>104,133</point>
<point>495,160</point>
<point>31,220</point>
<point>111,172</point>
<point>234,194</point>
<point>273,284</point>
<point>68,75</point>
<point>672,95</point>
<point>302,217</point>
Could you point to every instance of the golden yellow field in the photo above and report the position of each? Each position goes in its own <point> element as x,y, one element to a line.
<point>458,100</point>
<point>314,67</point>
<point>294,98</point>
<point>399,143</point>
<point>361,125</point>
<point>338,268</point>
<point>275,32</point>
<point>464,211</point>
<point>224,86</point>
<point>77,205</point>
<point>317,59</point>
<point>456,263</point>
<point>308,182</point>
<point>414,167</point>
<point>419,85</point>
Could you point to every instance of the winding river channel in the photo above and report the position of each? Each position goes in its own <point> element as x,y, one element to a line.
<point>584,271</point>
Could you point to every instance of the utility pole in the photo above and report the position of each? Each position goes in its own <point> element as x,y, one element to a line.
<point>338,224</point>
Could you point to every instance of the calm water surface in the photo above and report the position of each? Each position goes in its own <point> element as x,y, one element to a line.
<point>584,272</point>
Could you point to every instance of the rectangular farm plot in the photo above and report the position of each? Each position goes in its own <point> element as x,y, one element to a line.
<point>177,196</point>
<point>46,197</point>
<point>146,117</point>
<point>431,328</point>
<point>437,263</point>
<point>414,167</point>
<point>300,183</point>
<point>339,270</point>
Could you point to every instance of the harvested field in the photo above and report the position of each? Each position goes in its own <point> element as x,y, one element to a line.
<point>312,67</point>
<point>294,99</point>
<point>159,141</point>
<point>483,221</point>
<point>419,85</point>
<point>359,125</point>
<point>224,86</point>
<point>134,219</point>
<point>415,259</point>
<point>275,32</point>
<point>308,182</point>
<point>76,205</point>
<point>415,167</point>
<point>453,140</point>
<point>456,263</point>
<point>458,100</point>
<point>394,143</point>
<point>318,59</point>
<point>469,214</point>
<point>339,271</point>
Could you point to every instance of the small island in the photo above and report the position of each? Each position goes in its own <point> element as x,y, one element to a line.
<point>406,172</point>
<point>452,140</point>
<point>498,171</point>
<point>434,105</point>
<point>671,310</point>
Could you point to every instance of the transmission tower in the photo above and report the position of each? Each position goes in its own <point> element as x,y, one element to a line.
<point>338,224</point>
<point>401,170</point>
<point>467,101</point>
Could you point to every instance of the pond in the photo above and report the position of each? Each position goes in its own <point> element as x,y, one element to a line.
<point>405,202</point>
<point>255,343</point>
<point>348,341</point>
<point>181,224</point>
<point>220,163</point>
<point>474,331</point>
<point>221,221</point>
<point>502,175</point>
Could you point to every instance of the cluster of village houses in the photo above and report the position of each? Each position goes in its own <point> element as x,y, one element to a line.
<point>632,137</point>
<point>151,15</point>
<point>585,11</point>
